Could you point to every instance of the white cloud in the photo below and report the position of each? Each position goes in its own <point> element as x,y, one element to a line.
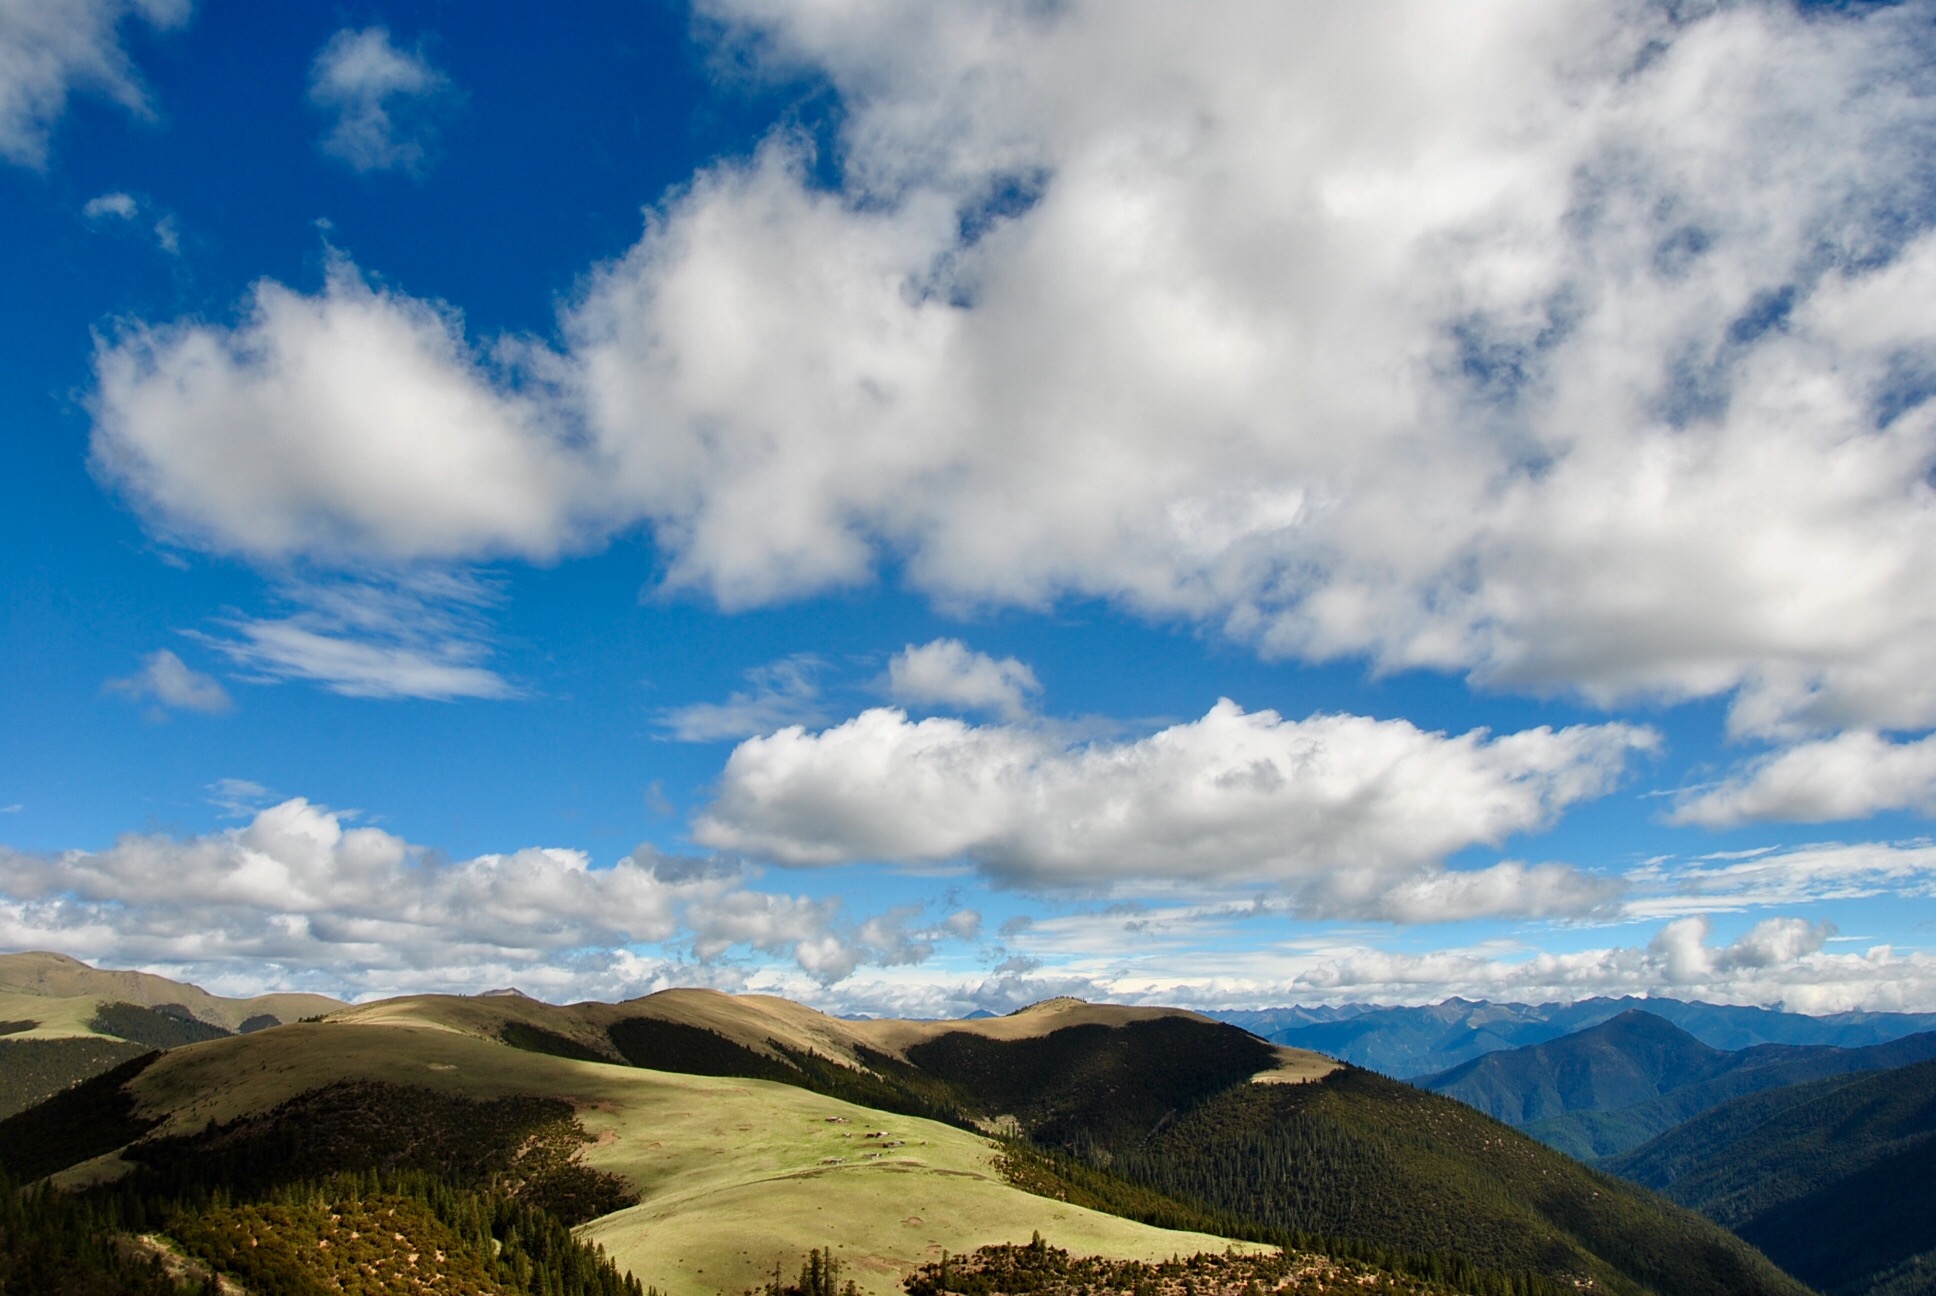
<point>1777,963</point>
<point>300,893</point>
<point>50,48</point>
<point>947,672</point>
<point>1850,776</point>
<point>1572,347</point>
<point>418,636</point>
<point>117,205</point>
<point>169,682</point>
<point>385,100</point>
<point>239,798</point>
<point>782,693</point>
<point>1793,876</point>
<point>352,425</point>
<point>126,208</point>
<point>1354,814</point>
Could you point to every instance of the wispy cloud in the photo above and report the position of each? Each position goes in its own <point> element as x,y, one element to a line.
<point>418,637</point>
<point>1789,876</point>
<point>126,209</point>
<point>168,682</point>
<point>51,48</point>
<point>387,102</point>
<point>780,693</point>
<point>239,798</point>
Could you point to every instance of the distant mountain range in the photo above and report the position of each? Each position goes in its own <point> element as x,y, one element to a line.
<point>1409,1042</point>
<point>1611,1087</point>
<point>1834,1179</point>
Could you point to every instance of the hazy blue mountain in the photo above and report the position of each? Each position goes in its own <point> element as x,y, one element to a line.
<point>1834,1179</point>
<point>1269,1021</point>
<point>1408,1042</point>
<point>1629,1059</point>
<point>1611,1087</point>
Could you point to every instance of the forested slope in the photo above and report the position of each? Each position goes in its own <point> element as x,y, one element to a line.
<point>1835,1180</point>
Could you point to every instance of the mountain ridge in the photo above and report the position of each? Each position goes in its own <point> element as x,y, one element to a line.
<point>1608,1088</point>
<point>1411,1041</point>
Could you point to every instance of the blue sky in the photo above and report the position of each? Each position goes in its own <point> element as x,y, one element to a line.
<point>920,510</point>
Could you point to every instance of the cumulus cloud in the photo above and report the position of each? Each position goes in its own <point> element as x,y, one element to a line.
<point>1356,814</point>
<point>1444,341</point>
<point>356,424</point>
<point>780,693</point>
<point>50,48</point>
<point>167,681</point>
<point>946,672</point>
<point>386,101</point>
<point>301,891</point>
<point>1850,776</point>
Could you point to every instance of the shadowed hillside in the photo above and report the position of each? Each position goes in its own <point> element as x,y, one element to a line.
<point>1836,1179</point>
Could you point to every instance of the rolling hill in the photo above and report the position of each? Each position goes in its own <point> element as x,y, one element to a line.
<point>731,1175</point>
<point>1834,1179</point>
<point>1609,1088</point>
<point>62,1021</point>
<point>872,1140</point>
<point>29,979</point>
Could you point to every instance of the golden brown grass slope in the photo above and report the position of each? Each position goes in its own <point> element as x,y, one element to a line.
<point>62,993</point>
<point>756,1022</point>
<point>734,1175</point>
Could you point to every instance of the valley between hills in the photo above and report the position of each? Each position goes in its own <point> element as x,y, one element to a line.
<point>694,1142</point>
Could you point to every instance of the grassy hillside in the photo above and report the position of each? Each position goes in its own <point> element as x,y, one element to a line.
<point>1150,1093</point>
<point>732,1175</point>
<point>1162,1115</point>
<point>65,1021</point>
<point>42,976</point>
<point>1611,1087</point>
<point>1832,1179</point>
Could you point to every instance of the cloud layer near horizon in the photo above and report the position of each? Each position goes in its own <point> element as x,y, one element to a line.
<point>1575,348</point>
<point>298,890</point>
